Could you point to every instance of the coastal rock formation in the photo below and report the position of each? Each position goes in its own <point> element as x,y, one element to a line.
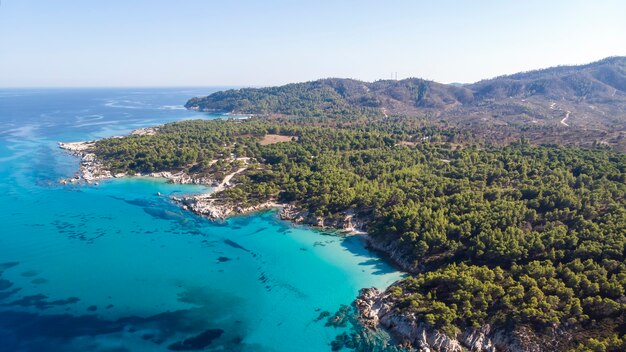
<point>184,178</point>
<point>346,221</point>
<point>91,169</point>
<point>378,309</point>
<point>146,131</point>
<point>215,208</point>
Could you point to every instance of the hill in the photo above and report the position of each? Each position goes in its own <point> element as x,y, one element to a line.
<point>566,104</point>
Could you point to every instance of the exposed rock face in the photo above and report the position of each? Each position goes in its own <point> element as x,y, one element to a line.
<point>377,309</point>
<point>205,205</point>
<point>217,209</point>
<point>346,221</point>
<point>146,131</point>
<point>183,178</point>
<point>91,169</point>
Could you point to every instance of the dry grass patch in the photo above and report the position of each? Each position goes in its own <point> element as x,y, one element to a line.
<point>276,138</point>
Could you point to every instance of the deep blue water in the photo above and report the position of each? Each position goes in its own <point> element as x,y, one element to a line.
<point>114,267</point>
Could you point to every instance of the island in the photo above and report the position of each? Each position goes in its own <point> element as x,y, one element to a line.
<point>511,243</point>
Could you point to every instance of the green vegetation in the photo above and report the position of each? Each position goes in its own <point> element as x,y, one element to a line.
<point>512,236</point>
<point>494,230</point>
<point>312,99</point>
<point>497,111</point>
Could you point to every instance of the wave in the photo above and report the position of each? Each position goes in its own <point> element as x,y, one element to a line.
<point>126,104</point>
<point>171,107</point>
<point>92,117</point>
<point>23,132</point>
<point>111,122</point>
<point>134,104</point>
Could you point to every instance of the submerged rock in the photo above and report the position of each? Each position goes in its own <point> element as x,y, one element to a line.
<point>197,342</point>
<point>324,314</point>
<point>358,337</point>
<point>340,318</point>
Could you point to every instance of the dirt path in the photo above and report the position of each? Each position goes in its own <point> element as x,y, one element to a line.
<point>565,118</point>
<point>227,179</point>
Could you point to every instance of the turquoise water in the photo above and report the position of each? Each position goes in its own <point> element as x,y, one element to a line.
<point>116,267</point>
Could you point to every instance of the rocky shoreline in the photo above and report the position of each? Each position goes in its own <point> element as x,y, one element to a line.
<point>91,169</point>
<point>219,209</point>
<point>378,309</point>
<point>210,207</point>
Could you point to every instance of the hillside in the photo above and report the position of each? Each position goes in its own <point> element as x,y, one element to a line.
<point>567,104</point>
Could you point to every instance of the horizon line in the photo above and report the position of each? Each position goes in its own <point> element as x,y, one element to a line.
<point>300,81</point>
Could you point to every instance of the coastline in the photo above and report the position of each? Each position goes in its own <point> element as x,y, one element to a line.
<point>374,308</point>
<point>92,170</point>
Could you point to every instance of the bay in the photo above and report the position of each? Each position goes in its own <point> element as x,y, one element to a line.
<point>117,266</point>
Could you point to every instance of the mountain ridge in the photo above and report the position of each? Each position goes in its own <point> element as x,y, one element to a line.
<point>574,104</point>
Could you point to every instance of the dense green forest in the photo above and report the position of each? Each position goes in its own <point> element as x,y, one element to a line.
<point>516,235</point>
<point>311,99</point>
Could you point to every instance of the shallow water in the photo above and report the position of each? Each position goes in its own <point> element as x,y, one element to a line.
<point>117,267</point>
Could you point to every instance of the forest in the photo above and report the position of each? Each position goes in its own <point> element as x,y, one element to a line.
<point>514,235</point>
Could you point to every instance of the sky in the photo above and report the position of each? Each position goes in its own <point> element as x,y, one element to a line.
<point>116,43</point>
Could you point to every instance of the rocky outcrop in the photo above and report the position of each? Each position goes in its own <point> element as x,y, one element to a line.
<point>91,169</point>
<point>346,221</point>
<point>145,131</point>
<point>205,205</point>
<point>378,309</point>
<point>216,209</point>
<point>184,178</point>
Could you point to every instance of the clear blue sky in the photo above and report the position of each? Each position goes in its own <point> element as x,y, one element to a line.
<point>193,42</point>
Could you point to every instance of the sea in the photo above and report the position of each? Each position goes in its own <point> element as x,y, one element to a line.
<point>118,267</point>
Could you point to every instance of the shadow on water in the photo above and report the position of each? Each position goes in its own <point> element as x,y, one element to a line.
<point>163,209</point>
<point>164,214</point>
<point>356,244</point>
<point>138,202</point>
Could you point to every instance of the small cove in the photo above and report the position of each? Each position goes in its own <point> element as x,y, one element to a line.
<point>117,266</point>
